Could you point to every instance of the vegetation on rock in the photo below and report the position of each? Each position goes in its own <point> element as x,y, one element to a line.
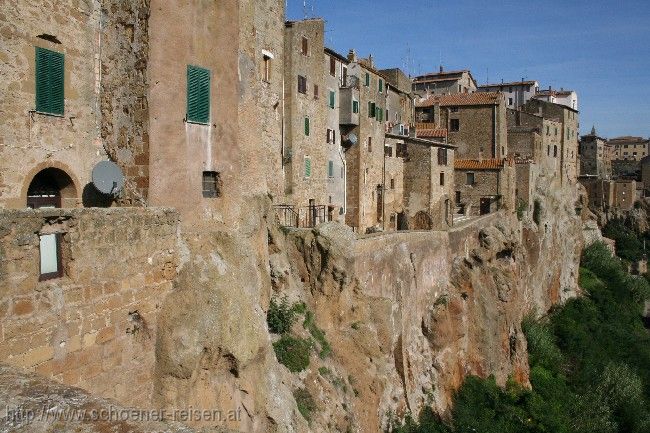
<point>589,366</point>
<point>305,402</point>
<point>293,352</point>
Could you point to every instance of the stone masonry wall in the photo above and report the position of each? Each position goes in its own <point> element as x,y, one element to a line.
<point>95,327</point>
<point>124,105</point>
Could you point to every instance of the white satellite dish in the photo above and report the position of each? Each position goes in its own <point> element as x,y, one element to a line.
<point>108,178</point>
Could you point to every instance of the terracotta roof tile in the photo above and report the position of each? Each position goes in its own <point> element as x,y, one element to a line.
<point>431,133</point>
<point>462,99</point>
<point>475,164</point>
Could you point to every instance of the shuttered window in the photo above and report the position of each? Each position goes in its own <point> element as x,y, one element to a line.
<point>330,169</point>
<point>307,166</point>
<point>198,95</point>
<point>367,79</point>
<point>381,86</point>
<point>332,99</point>
<point>307,126</point>
<point>355,107</point>
<point>50,67</point>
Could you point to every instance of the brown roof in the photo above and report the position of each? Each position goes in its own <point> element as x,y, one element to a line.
<point>513,83</point>
<point>431,133</point>
<point>475,164</point>
<point>554,93</point>
<point>458,99</point>
<point>440,76</point>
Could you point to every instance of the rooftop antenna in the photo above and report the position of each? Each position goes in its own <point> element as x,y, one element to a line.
<point>304,9</point>
<point>487,75</point>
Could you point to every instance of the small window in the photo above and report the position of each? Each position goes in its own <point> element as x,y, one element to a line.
<point>316,95</point>
<point>332,66</point>
<point>510,101</point>
<point>367,79</point>
<point>307,166</point>
<point>442,179</point>
<point>355,107</point>
<point>454,125</point>
<point>332,99</point>
<point>50,72</point>
<point>381,86</point>
<point>388,151</point>
<point>330,169</point>
<point>548,150</point>
<point>469,179</point>
<point>307,126</point>
<point>267,68</point>
<point>392,184</point>
<point>371,109</point>
<point>198,95</point>
<point>555,151</point>
<point>454,109</point>
<point>442,156</point>
<point>50,257</point>
<point>369,144</point>
<point>304,46</point>
<point>211,184</point>
<point>302,84</point>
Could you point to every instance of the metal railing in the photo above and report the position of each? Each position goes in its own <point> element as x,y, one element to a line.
<point>302,217</point>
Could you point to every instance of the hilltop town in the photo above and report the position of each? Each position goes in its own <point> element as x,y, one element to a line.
<point>405,224</point>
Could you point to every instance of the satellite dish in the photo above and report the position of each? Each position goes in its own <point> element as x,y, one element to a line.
<point>108,178</point>
<point>352,138</point>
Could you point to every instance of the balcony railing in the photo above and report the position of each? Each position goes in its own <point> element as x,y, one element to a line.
<point>302,217</point>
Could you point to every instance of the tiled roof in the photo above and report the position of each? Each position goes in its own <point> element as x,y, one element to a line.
<point>431,133</point>
<point>513,83</point>
<point>554,93</point>
<point>440,76</point>
<point>475,164</point>
<point>459,99</point>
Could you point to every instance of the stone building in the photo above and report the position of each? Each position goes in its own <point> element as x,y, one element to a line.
<point>568,98</point>
<point>595,156</point>
<point>535,138</point>
<point>645,175</point>
<point>483,186</point>
<point>569,134</point>
<point>630,148</point>
<point>605,194</point>
<point>445,83</point>
<point>517,93</point>
<point>476,122</point>
<point>428,186</point>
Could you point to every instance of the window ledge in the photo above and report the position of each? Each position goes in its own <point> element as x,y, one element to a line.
<point>43,113</point>
<point>196,123</point>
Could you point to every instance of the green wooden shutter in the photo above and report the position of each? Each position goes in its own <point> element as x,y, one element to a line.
<point>198,94</point>
<point>307,126</point>
<point>332,99</point>
<point>330,169</point>
<point>307,167</point>
<point>355,107</point>
<point>367,79</point>
<point>50,73</point>
<point>381,86</point>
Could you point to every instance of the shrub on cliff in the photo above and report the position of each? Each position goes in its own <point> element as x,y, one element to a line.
<point>292,352</point>
<point>281,316</point>
<point>628,244</point>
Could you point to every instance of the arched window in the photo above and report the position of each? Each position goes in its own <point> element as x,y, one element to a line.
<point>50,188</point>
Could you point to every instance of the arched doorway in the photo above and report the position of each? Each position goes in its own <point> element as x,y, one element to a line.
<point>422,221</point>
<point>51,187</point>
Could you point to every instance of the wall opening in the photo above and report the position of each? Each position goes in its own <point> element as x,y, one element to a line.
<point>51,188</point>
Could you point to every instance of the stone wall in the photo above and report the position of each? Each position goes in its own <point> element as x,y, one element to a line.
<point>482,129</point>
<point>31,141</point>
<point>95,327</point>
<point>124,104</point>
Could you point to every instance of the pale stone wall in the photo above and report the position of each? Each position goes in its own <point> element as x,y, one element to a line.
<point>96,326</point>
<point>482,129</point>
<point>29,141</point>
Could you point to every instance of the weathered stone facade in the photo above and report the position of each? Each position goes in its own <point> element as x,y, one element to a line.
<point>485,186</point>
<point>445,83</point>
<point>95,327</point>
<point>595,156</point>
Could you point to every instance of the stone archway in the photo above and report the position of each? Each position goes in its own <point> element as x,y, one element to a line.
<point>422,221</point>
<point>51,187</point>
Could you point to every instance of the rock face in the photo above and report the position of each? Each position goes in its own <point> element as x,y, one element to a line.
<point>409,315</point>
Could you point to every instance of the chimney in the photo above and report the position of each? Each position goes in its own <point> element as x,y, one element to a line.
<point>370,61</point>
<point>352,55</point>
<point>441,69</point>
<point>549,88</point>
<point>561,89</point>
<point>522,79</point>
<point>501,80</point>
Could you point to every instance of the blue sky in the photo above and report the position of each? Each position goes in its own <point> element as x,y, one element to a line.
<point>599,48</point>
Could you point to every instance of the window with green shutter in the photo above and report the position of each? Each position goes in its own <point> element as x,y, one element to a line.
<point>198,95</point>
<point>307,166</point>
<point>381,86</point>
<point>371,109</point>
<point>367,79</point>
<point>50,71</point>
<point>355,107</point>
<point>307,126</point>
<point>330,169</point>
<point>332,99</point>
